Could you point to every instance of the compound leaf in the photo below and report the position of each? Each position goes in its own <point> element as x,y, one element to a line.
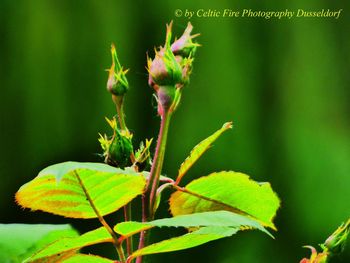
<point>71,189</point>
<point>230,191</point>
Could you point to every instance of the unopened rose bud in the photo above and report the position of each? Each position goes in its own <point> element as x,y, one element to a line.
<point>164,70</point>
<point>171,68</point>
<point>117,83</point>
<point>336,242</point>
<point>118,148</point>
<point>184,46</point>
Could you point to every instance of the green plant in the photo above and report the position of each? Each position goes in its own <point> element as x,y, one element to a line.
<point>211,207</point>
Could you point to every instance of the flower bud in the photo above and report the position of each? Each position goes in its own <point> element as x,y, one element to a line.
<point>171,68</point>
<point>117,83</point>
<point>117,150</point>
<point>120,150</point>
<point>184,46</point>
<point>164,68</point>
<point>336,242</point>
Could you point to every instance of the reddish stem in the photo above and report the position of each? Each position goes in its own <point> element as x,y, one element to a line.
<point>149,198</point>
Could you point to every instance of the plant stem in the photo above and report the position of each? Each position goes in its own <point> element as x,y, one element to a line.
<point>143,236</point>
<point>116,242</point>
<point>127,217</point>
<point>149,198</point>
<point>119,103</point>
<point>157,163</point>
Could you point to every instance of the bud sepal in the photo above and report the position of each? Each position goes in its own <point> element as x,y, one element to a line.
<point>184,46</point>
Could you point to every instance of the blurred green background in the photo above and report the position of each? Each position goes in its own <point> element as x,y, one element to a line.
<point>284,84</point>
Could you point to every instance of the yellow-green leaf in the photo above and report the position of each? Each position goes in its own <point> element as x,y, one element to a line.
<point>58,258</point>
<point>227,191</point>
<point>193,239</point>
<point>129,228</point>
<point>213,218</point>
<point>199,149</point>
<point>78,258</point>
<point>69,189</point>
<point>68,246</point>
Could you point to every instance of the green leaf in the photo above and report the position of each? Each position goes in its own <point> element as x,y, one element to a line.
<point>18,241</point>
<point>230,191</point>
<point>193,239</point>
<point>129,228</point>
<point>69,189</point>
<point>199,150</point>
<point>71,245</point>
<point>214,218</point>
<point>78,258</point>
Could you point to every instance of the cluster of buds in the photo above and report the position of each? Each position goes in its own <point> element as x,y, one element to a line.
<point>170,70</point>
